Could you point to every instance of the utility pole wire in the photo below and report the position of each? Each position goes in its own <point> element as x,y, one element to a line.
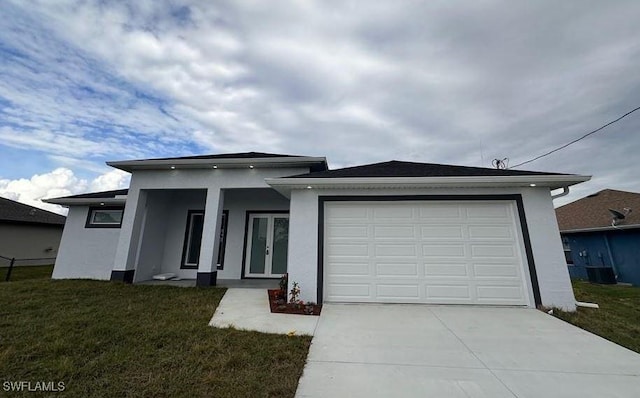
<point>577,139</point>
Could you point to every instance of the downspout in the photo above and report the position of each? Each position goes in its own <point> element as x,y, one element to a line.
<point>565,192</point>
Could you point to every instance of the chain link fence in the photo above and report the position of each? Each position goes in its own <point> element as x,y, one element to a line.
<point>9,263</point>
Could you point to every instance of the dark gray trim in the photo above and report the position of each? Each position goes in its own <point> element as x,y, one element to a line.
<point>246,232</point>
<point>88,223</point>
<point>398,198</point>
<point>207,278</point>
<point>123,276</point>
<point>223,241</point>
<point>186,240</point>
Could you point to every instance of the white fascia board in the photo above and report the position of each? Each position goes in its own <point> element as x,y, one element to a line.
<point>599,229</point>
<point>130,165</point>
<point>86,201</point>
<point>550,181</point>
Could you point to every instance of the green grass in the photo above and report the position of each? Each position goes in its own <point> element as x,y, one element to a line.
<point>111,339</point>
<point>22,273</point>
<point>617,319</point>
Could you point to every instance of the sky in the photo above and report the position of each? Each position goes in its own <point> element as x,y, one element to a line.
<point>464,82</point>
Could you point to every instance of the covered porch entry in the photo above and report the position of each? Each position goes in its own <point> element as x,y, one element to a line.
<point>249,238</point>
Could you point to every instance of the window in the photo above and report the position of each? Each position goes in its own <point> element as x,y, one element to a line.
<point>567,250</point>
<point>104,217</point>
<point>223,238</point>
<point>193,239</point>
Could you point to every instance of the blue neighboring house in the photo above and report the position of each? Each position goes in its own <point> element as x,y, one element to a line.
<point>602,230</point>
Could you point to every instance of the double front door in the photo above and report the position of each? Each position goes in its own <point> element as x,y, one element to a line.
<point>267,244</point>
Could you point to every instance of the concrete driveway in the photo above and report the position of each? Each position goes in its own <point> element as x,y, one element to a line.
<point>453,351</point>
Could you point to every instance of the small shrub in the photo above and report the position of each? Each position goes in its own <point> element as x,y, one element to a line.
<point>294,294</point>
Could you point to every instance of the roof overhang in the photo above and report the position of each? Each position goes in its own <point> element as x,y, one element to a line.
<point>286,185</point>
<point>160,164</point>
<point>117,201</point>
<point>600,229</point>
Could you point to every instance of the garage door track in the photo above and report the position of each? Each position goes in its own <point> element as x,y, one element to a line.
<point>387,350</point>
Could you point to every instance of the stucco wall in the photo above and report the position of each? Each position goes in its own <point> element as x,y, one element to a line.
<point>85,252</point>
<point>553,277</point>
<point>22,241</point>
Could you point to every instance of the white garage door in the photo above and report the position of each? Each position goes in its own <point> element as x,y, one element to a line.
<point>424,252</point>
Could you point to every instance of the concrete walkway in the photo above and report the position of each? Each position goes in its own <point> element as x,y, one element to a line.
<point>248,309</point>
<point>457,351</point>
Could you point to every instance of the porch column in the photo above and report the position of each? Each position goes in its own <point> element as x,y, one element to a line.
<point>124,264</point>
<point>207,265</point>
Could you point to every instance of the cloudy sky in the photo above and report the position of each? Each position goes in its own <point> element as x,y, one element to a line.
<point>83,82</point>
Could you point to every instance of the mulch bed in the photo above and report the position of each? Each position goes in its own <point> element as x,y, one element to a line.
<point>279,305</point>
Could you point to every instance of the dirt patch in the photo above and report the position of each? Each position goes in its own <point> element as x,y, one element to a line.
<point>278,304</point>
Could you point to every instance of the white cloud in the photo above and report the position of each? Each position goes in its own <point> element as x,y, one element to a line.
<point>357,82</point>
<point>56,183</point>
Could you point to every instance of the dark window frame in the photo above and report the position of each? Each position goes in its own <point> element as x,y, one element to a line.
<point>90,224</point>
<point>222,243</point>
<point>566,247</point>
<point>187,232</point>
<point>223,238</point>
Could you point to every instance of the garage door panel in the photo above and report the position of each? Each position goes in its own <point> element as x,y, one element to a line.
<point>494,212</point>
<point>353,249</point>
<point>450,212</point>
<point>443,250</point>
<point>396,269</point>
<point>384,213</point>
<point>395,250</point>
<point>496,293</point>
<point>393,231</point>
<point>346,213</point>
<point>446,270</point>
<point>355,268</point>
<point>447,292</point>
<point>495,270</point>
<point>350,290</point>
<point>441,232</point>
<point>424,252</point>
<point>397,291</point>
<point>491,232</point>
<point>493,251</point>
<point>348,231</point>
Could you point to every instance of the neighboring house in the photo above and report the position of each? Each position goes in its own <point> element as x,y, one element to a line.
<point>27,232</point>
<point>392,232</point>
<point>602,230</point>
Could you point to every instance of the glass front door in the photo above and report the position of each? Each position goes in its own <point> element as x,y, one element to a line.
<point>267,244</point>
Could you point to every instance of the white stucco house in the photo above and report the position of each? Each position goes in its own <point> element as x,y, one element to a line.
<point>391,232</point>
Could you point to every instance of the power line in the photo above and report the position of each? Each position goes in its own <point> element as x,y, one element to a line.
<point>577,139</point>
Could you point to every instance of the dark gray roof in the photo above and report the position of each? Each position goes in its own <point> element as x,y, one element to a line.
<point>397,168</point>
<point>15,212</point>
<point>240,155</point>
<point>98,195</point>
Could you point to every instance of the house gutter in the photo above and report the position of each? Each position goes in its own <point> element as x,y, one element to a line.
<point>130,165</point>
<point>600,229</point>
<point>87,201</point>
<point>565,192</point>
<point>550,181</point>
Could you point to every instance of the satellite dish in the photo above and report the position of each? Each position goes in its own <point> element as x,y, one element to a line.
<point>617,215</point>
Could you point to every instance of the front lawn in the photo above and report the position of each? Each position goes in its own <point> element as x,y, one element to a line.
<point>21,273</point>
<point>618,318</point>
<point>111,339</point>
